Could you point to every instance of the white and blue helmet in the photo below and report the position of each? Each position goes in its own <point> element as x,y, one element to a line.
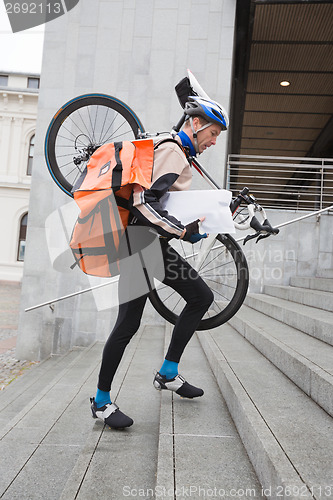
<point>210,110</point>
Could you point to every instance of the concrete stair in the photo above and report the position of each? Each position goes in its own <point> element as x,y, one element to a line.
<point>262,430</point>
<point>308,319</point>
<point>51,448</point>
<point>200,453</point>
<point>323,284</point>
<point>274,365</point>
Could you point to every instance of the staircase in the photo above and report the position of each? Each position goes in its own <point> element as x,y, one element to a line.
<point>262,430</point>
<point>274,366</point>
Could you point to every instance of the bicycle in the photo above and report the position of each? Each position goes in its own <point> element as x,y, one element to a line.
<point>87,122</point>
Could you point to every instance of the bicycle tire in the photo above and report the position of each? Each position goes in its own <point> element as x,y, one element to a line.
<point>231,257</point>
<point>79,128</point>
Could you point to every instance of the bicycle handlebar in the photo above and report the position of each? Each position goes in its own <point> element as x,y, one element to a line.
<point>243,195</point>
<point>263,230</point>
<point>179,125</point>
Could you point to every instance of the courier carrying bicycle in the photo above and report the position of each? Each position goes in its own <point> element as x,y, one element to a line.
<point>171,170</point>
<point>204,121</point>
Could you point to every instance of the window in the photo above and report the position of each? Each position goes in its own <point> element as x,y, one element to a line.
<point>31,154</point>
<point>3,80</point>
<point>33,83</point>
<point>22,237</point>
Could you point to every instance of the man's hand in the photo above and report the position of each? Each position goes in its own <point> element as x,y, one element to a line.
<point>195,237</point>
<point>191,232</point>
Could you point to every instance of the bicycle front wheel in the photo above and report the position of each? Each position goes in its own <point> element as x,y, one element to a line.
<point>225,271</point>
<point>80,127</point>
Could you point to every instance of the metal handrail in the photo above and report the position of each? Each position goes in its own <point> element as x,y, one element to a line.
<point>304,183</point>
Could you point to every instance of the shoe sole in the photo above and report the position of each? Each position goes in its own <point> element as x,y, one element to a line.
<point>160,388</point>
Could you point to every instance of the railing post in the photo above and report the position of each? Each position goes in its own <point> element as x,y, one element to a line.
<point>322,183</point>
<point>227,173</point>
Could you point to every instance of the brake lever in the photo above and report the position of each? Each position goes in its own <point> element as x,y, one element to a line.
<point>262,236</point>
<point>262,230</point>
<point>271,230</point>
<point>255,224</point>
<point>250,237</point>
<point>257,235</point>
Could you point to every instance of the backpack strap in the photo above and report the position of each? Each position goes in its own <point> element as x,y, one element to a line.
<point>117,172</point>
<point>122,202</point>
<point>169,139</point>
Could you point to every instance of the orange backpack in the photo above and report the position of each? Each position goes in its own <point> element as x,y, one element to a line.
<point>102,194</point>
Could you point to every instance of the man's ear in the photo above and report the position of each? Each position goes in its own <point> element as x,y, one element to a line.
<point>196,123</point>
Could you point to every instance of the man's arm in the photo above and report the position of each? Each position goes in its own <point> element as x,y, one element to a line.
<point>169,164</point>
<point>146,207</point>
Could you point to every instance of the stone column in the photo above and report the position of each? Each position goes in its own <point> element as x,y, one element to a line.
<point>15,146</point>
<point>136,51</point>
<point>5,124</point>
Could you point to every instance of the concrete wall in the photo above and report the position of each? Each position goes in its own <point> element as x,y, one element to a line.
<point>304,248</point>
<point>136,51</point>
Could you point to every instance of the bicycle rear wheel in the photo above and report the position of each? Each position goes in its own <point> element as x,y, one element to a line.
<point>80,127</point>
<point>225,271</point>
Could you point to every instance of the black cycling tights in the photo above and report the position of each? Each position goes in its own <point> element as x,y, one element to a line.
<point>180,276</point>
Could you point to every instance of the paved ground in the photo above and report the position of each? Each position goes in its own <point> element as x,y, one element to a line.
<point>10,367</point>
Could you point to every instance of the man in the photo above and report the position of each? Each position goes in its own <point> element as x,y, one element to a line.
<point>205,120</point>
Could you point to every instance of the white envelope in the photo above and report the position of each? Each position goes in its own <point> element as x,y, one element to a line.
<point>188,206</point>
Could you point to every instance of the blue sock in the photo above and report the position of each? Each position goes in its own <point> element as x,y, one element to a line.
<point>102,398</point>
<point>169,369</point>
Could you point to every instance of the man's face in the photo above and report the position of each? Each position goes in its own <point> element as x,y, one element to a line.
<point>208,136</point>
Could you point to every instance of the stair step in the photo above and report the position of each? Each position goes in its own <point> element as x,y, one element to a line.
<point>308,319</point>
<point>55,449</point>
<point>40,439</point>
<point>284,431</point>
<point>325,273</point>
<point>312,298</point>
<point>307,361</point>
<point>25,388</point>
<point>324,284</point>
<point>114,462</point>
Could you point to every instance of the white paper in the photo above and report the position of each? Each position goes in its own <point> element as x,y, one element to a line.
<point>187,206</point>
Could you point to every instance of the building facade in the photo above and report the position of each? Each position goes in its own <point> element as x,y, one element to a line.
<point>18,113</point>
